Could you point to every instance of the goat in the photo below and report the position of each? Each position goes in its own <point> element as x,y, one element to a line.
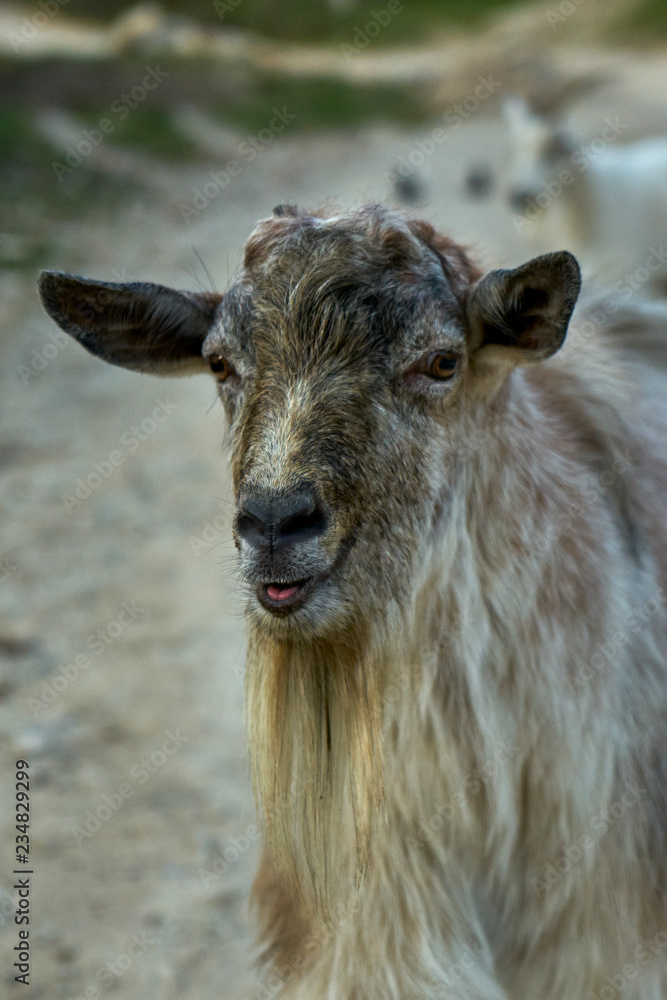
<point>452,535</point>
<point>607,201</point>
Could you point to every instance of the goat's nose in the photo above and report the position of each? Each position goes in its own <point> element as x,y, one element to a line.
<point>280,520</point>
<point>520,199</point>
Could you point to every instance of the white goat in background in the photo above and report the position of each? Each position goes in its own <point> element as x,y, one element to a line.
<point>604,200</point>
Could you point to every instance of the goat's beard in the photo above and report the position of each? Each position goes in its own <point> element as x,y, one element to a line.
<point>314,721</point>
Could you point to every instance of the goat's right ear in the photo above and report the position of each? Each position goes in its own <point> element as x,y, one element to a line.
<point>145,327</point>
<point>521,315</point>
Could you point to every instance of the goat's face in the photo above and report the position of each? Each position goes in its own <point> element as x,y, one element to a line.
<point>343,351</point>
<point>352,356</point>
<point>540,150</point>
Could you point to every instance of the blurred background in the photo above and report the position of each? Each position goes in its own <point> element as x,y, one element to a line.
<point>142,143</point>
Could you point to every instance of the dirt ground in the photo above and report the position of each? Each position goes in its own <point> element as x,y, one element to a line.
<point>121,640</point>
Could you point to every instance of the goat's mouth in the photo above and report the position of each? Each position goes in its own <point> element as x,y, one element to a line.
<point>283,598</point>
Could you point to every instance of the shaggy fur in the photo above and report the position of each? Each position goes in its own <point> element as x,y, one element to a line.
<point>458,741</point>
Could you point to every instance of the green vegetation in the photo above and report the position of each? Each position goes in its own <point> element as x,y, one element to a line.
<point>316,20</point>
<point>41,180</point>
<point>321,103</point>
<point>647,22</point>
<point>146,130</point>
<point>18,138</point>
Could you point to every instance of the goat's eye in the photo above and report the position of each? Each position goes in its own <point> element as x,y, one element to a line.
<point>438,365</point>
<point>220,367</point>
<point>441,366</point>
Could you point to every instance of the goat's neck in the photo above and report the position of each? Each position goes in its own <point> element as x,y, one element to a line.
<point>515,567</point>
<point>509,602</point>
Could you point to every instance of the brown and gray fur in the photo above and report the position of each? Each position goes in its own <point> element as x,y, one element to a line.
<point>458,740</point>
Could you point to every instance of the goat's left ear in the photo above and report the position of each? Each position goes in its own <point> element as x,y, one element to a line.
<point>521,315</point>
<point>145,327</point>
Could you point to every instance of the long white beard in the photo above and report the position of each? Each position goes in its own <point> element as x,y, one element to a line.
<point>314,723</point>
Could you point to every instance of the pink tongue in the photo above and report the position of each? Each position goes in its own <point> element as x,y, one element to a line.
<point>278,593</point>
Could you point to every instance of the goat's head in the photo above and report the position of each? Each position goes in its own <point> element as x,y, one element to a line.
<point>353,356</point>
<point>349,356</point>
<point>541,147</point>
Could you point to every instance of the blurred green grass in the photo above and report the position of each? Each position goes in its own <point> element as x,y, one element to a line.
<point>317,104</point>
<point>149,131</point>
<point>17,135</point>
<point>316,20</point>
<point>32,188</point>
<point>324,103</point>
<point>232,94</point>
<point>246,107</point>
<point>646,22</point>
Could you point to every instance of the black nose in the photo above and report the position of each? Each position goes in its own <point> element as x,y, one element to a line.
<point>280,520</point>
